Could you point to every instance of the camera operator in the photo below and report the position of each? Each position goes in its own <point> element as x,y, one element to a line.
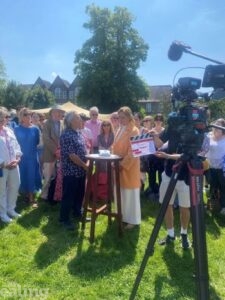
<point>172,153</point>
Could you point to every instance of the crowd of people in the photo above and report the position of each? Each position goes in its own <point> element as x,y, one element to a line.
<point>48,156</point>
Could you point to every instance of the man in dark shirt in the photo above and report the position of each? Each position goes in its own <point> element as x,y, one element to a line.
<point>173,153</point>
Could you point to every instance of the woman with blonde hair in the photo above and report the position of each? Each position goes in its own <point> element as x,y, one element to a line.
<point>114,118</point>
<point>129,169</point>
<point>28,137</point>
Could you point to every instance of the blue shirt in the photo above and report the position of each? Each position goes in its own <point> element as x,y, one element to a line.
<point>72,142</point>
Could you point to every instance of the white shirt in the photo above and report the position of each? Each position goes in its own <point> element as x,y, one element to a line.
<point>9,147</point>
<point>216,153</point>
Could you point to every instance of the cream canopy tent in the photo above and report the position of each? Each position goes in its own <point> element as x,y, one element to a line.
<point>68,106</point>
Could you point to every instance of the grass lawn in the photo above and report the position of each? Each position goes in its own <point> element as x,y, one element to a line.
<point>41,260</point>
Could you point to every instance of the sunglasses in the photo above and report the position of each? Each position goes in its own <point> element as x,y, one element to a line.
<point>105,125</point>
<point>25,115</point>
<point>94,115</point>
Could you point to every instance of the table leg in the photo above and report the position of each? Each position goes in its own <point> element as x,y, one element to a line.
<point>87,195</point>
<point>118,198</point>
<point>94,206</point>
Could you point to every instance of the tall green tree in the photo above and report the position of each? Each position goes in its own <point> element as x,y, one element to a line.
<point>108,62</point>
<point>14,95</point>
<point>2,80</point>
<point>38,97</point>
<point>217,109</point>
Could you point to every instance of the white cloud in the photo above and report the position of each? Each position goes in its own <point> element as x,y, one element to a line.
<point>54,74</point>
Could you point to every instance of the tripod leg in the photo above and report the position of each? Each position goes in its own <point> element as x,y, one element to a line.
<point>198,232</point>
<point>159,220</point>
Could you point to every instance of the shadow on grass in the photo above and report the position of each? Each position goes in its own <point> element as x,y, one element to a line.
<point>149,208</point>
<point>59,240</point>
<point>186,286</point>
<point>3,225</point>
<point>33,216</point>
<point>217,219</point>
<point>107,254</point>
<point>213,226</point>
<point>175,262</point>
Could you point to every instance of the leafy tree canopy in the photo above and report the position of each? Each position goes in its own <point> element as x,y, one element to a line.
<point>107,63</point>
<point>2,74</point>
<point>217,109</point>
<point>38,97</point>
<point>14,95</point>
<point>2,80</point>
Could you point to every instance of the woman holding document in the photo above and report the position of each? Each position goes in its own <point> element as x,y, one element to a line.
<point>129,169</point>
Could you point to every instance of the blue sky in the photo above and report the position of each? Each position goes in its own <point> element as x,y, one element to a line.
<point>39,38</point>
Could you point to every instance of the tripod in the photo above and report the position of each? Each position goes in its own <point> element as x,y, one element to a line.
<point>198,225</point>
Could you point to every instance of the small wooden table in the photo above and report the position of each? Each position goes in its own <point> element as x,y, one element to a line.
<point>90,203</point>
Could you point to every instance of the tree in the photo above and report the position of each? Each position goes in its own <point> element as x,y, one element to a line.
<point>217,109</point>
<point>14,95</point>
<point>2,80</point>
<point>39,97</point>
<point>107,63</point>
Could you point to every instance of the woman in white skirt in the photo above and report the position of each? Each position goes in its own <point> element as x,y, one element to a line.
<point>129,169</point>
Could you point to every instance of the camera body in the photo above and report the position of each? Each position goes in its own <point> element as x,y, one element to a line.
<point>189,123</point>
<point>185,90</point>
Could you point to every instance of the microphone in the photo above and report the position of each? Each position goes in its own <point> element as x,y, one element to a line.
<point>176,50</point>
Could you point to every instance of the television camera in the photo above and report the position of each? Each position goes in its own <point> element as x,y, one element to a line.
<point>189,122</point>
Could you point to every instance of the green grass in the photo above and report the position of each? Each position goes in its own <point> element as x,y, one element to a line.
<point>37,254</point>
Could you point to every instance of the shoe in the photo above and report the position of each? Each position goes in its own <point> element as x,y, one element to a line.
<point>167,240</point>
<point>80,219</point>
<point>129,226</point>
<point>13,214</point>
<point>87,219</point>
<point>67,225</point>
<point>6,219</point>
<point>34,205</point>
<point>222,212</point>
<point>185,242</point>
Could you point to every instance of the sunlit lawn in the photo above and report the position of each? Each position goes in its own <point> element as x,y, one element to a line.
<point>39,258</point>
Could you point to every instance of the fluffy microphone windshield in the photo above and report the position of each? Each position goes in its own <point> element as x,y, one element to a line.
<point>176,49</point>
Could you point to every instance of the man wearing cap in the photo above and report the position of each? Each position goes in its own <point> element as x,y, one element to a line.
<point>52,130</point>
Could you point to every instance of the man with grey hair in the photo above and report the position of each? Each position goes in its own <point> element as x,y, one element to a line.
<point>52,130</point>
